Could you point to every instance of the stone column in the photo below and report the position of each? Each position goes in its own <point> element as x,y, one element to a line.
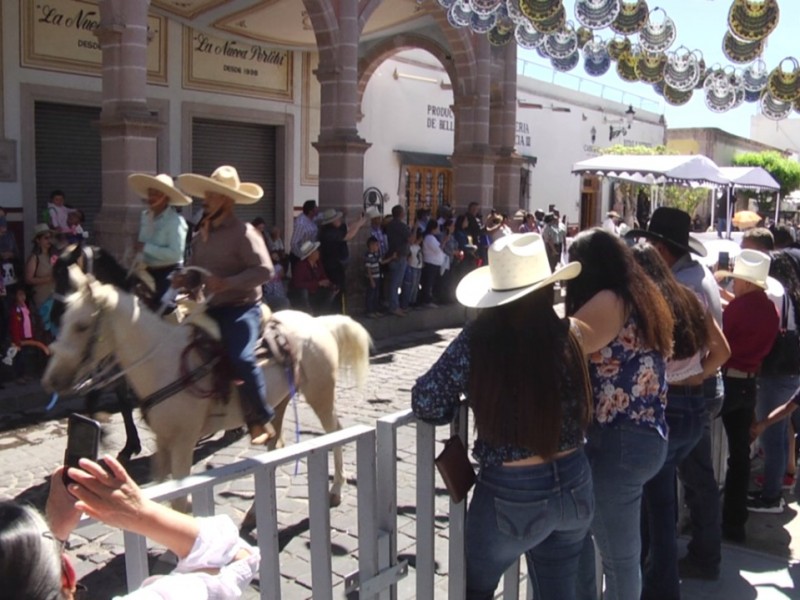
<point>8,148</point>
<point>503,123</point>
<point>128,131</point>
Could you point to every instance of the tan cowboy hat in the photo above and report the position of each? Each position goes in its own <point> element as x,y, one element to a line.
<point>753,266</point>
<point>518,265</point>
<point>493,222</point>
<point>372,212</point>
<point>306,248</point>
<point>141,182</point>
<point>329,215</point>
<point>613,214</point>
<point>225,181</point>
<point>520,215</point>
<point>40,229</point>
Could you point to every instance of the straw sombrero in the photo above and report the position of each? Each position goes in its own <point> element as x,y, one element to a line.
<point>141,182</point>
<point>225,181</point>
<point>518,265</point>
<point>753,266</point>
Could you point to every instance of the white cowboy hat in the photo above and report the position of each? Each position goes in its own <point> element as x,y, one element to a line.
<point>40,229</point>
<point>372,212</point>
<point>225,181</point>
<point>518,265</point>
<point>753,266</point>
<point>142,182</point>
<point>306,248</point>
<point>329,215</point>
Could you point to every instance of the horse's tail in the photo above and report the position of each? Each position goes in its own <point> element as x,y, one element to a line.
<point>354,344</point>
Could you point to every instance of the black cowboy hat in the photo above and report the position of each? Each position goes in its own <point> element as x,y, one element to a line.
<point>671,226</point>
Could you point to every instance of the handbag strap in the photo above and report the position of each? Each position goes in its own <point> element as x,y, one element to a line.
<point>785,311</point>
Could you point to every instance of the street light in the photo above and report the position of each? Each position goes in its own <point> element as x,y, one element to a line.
<point>622,125</point>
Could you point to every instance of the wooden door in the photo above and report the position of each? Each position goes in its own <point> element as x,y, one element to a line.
<point>428,188</point>
<point>590,193</point>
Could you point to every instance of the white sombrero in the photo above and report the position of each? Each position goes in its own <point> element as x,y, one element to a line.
<point>141,182</point>
<point>518,265</point>
<point>753,266</point>
<point>307,248</point>
<point>225,181</point>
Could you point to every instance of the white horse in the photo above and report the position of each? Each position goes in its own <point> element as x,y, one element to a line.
<point>101,320</point>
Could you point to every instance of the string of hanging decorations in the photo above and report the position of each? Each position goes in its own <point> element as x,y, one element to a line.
<point>640,47</point>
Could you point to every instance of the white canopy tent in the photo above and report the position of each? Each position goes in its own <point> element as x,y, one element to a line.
<point>664,168</point>
<point>749,178</point>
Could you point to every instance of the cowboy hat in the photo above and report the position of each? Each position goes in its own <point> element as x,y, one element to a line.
<point>613,214</point>
<point>142,182</point>
<point>306,248</point>
<point>671,225</point>
<point>41,228</point>
<point>518,265</point>
<point>520,215</point>
<point>753,266</point>
<point>329,215</point>
<point>225,181</point>
<point>372,212</point>
<point>493,222</point>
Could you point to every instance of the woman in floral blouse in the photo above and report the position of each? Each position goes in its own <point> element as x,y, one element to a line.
<point>534,489</point>
<point>627,440</point>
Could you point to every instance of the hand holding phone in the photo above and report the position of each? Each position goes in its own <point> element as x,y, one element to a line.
<point>83,441</point>
<point>724,262</point>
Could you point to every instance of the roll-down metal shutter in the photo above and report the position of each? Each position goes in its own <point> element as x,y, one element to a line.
<point>248,147</point>
<point>67,146</point>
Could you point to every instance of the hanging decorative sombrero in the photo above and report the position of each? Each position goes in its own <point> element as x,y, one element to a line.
<point>677,97</point>
<point>774,109</point>
<point>566,64</point>
<point>617,46</point>
<point>751,96</point>
<point>796,105</point>
<point>445,4</point>
<point>754,78</point>
<point>515,13</point>
<point>753,20</point>
<point>631,18</point>
<point>562,43</point>
<point>736,79</point>
<point>551,24</point>
<point>704,70</point>
<point>528,37</point>
<point>657,35</point>
<point>485,8</point>
<point>740,52</point>
<point>542,51</point>
<point>480,24</point>
<point>596,14</point>
<point>784,85</point>
<point>501,34</point>
<point>650,66</point>
<point>596,60</point>
<point>459,14</point>
<point>626,65</point>
<point>540,9</point>
<point>720,95</point>
<point>585,36</point>
<point>658,87</point>
<point>682,70</point>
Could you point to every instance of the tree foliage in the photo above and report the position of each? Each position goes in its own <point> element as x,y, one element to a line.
<point>785,171</point>
<point>685,198</point>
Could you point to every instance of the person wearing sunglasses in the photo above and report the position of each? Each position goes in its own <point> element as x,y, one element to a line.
<point>213,561</point>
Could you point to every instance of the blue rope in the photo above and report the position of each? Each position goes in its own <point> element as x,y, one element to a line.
<point>293,396</point>
<point>53,400</point>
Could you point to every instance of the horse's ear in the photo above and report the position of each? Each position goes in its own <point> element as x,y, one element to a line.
<point>77,277</point>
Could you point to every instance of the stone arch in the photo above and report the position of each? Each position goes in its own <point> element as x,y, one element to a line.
<point>326,26</point>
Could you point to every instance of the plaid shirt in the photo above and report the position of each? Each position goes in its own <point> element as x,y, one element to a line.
<point>304,230</point>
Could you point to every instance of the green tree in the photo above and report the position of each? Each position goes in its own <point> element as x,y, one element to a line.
<point>784,170</point>
<point>685,198</point>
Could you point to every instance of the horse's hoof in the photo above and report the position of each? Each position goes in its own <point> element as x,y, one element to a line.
<point>335,499</point>
<point>102,416</point>
<point>249,522</point>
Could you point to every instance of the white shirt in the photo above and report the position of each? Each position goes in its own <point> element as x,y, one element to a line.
<point>432,252</point>
<point>610,226</point>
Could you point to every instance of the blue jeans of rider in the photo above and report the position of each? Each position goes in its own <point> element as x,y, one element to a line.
<point>239,326</point>
<point>686,416</point>
<point>542,511</point>
<point>396,270</point>
<point>772,392</point>
<point>623,458</point>
<point>701,492</point>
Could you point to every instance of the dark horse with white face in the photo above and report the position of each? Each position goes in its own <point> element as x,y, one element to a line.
<point>98,262</point>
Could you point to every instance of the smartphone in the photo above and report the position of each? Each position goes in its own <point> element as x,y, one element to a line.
<point>724,262</point>
<point>83,441</point>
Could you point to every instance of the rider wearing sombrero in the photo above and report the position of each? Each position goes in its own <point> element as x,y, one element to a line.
<point>162,231</point>
<point>235,254</point>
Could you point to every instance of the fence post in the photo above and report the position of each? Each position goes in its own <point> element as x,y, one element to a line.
<point>320,524</point>
<point>367,505</point>
<point>387,502</point>
<point>425,511</point>
<point>457,567</point>
<point>136,568</point>
<point>268,544</point>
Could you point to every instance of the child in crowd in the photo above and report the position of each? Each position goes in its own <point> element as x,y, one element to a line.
<point>413,270</point>
<point>76,231</point>
<point>20,328</point>
<point>275,291</point>
<point>372,263</point>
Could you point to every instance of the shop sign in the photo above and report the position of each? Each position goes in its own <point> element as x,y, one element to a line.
<point>234,67</point>
<point>59,35</point>
<point>441,118</point>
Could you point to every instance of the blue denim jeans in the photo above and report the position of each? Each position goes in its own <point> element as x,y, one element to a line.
<point>239,326</point>
<point>701,492</point>
<point>396,270</point>
<point>410,287</point>
<point>623,458</point>
<point>542,511</point>
<point>686,417</point>
<point>773,391</point>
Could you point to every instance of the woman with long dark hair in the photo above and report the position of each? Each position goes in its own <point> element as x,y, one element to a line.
<point>699,349</point>
<point>534,489</point>
<point>627,439</point>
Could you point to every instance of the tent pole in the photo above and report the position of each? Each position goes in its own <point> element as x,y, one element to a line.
<point>777,207</point>
<point>713,196</point>
<point>728,214</point>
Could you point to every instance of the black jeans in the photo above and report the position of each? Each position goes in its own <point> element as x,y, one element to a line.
<point>737,416</point>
